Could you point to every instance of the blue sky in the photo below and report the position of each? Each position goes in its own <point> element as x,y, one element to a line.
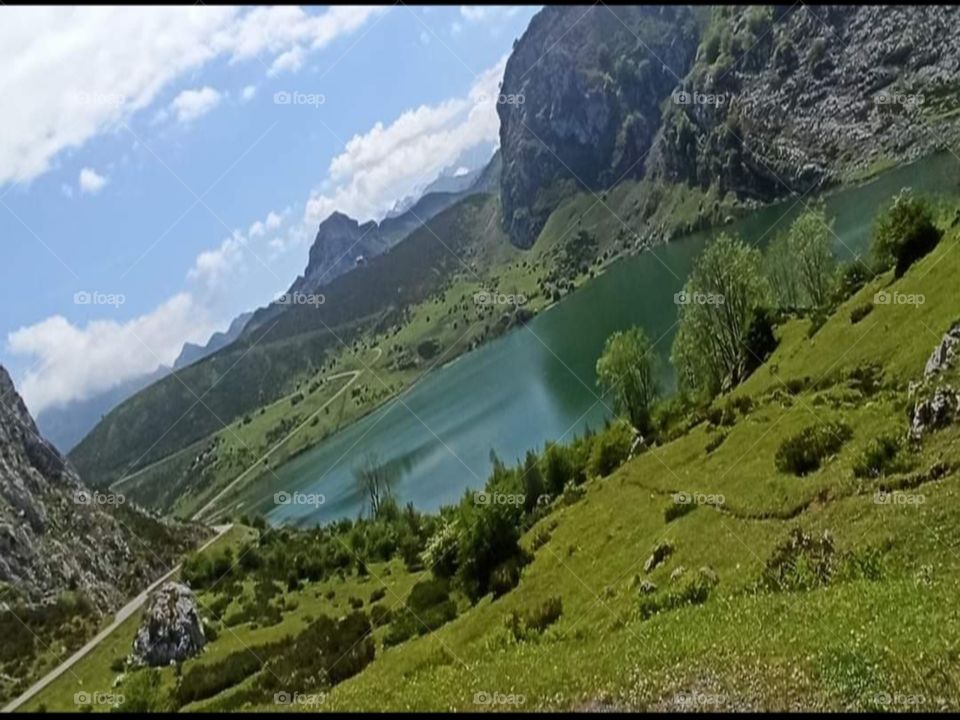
<point>154,182</point>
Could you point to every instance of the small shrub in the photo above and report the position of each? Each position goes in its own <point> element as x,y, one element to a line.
<point>380,615</point>
<point>860,312</point>
<point>879,457</point>
<point>715,442</point>
<point>523,626</point>
<point>760,340</point>
<point>676,510</point>
<point>804,452</point>
<point>355,603</point>
<point>611,448</point>
<point>379,594</point>
<point>801,562</point>
<point>904,233</point>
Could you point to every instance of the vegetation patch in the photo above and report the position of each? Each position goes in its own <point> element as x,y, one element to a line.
<point>806,451</point>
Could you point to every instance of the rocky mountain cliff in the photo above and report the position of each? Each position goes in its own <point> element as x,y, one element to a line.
<point>342,242</point>
<point>580,102</point>
<point>191,352</point>
<point>760,102</point>
<point>784,99</point>
<point>56,534</point>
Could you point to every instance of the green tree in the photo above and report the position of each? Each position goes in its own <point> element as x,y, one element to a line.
<point>904,233</point>
<point>627,370</point>
<point>716,309</point>
<point>800,264</point>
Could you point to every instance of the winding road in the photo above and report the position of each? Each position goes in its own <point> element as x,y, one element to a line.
<point>233,483</point>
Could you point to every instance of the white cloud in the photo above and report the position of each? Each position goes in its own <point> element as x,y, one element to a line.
<point>91,182</point>
<point>488,13</point>
<point>74,73</point>
<point>74,363</point>
<point>226,261</point>
<point>248,92</point>
<point>290,61</point>
<point>192,104</point>
<point>390,162</point>
<point>455,28</point>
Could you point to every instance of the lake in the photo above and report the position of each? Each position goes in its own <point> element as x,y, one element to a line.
<point>537,383</point>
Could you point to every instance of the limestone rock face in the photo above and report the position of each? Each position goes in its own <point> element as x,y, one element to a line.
<point>943,355</point>
<point>58,534</point>
<point>172,630</point>
<point>935,412</point>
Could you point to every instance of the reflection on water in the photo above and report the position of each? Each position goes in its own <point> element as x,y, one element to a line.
<point>538,383</point>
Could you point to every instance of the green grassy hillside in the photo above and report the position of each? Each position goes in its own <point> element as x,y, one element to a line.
<point>833,590</point>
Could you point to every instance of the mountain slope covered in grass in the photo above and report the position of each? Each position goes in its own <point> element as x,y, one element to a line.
<point>699,574</point>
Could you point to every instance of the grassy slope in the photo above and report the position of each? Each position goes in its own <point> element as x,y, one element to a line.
<point>892,642</point>
<point>93,672</point>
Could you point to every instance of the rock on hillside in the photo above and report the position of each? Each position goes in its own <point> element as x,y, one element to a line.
<point>57,535</point>
<point>580,102</point>
<point>783,99</point>
<point>171,629</point>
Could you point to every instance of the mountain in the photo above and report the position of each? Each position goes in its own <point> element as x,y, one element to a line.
<point>342,242</point>
<point>809,96</point>
<point>67,425</point>
<point>56,535</point>
<point>758,102</point>
<point>581,99</point>
<point>191,353</point>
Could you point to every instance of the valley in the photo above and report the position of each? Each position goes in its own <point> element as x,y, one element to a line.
<point>633,387</point>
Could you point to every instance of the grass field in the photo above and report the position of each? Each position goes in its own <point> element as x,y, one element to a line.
<point>872,624</point>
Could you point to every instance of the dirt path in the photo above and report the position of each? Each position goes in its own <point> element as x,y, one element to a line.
<point>123,614</point>
<point>258,465</point>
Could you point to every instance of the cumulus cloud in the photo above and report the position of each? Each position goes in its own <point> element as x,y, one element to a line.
<point>91,182</point>
<point>248,92</point>
<point>74,363</point>
<point>73,73</point>
<point>192,104</point>
<point>290,61</point>
<point>389,162</point>
<point>212,267</point>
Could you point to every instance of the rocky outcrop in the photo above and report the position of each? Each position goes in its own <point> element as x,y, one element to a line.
<point>934,412</point>
<point>943,355</point>
<point>56,534</point>
<point>171,630</point>
<point>747,103</point>
<point>782,100</point>
<point>342,243</point>
<point>579,103</point>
